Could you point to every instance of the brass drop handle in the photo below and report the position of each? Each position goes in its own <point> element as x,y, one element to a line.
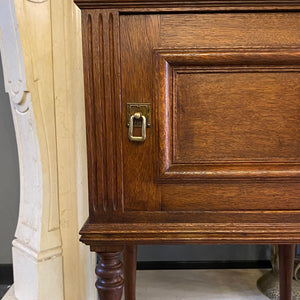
<point>133,138</point>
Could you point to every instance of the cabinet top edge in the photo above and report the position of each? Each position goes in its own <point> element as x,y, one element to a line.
<point>196,4</point>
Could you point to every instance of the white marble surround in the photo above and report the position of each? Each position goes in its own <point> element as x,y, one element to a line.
<point>40,43</point>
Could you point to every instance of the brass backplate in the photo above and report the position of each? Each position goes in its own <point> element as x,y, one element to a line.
<point>143,108</point>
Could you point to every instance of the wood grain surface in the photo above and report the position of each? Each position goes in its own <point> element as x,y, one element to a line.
<point>223,88</point>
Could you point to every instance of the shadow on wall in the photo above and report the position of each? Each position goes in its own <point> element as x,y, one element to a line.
<point>9,176</point>
<point>213,253</point>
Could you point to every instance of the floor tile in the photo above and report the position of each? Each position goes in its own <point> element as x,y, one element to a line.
<point>198,284</point>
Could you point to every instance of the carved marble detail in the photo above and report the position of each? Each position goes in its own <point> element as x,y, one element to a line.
<point>12,61</point>
<point>37,1</point>
<point>35,243</point>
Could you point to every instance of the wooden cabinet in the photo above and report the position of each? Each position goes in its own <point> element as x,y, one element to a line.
<point>210,91</point>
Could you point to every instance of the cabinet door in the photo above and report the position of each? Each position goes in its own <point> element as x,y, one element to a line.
<point>224,90</point>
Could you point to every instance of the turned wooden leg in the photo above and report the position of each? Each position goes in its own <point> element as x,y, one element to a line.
<point>129,260</point>
<point>286,265</point>
<point>109,272</point>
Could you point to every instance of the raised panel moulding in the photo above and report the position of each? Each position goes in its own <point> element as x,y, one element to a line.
<point>216,150</point>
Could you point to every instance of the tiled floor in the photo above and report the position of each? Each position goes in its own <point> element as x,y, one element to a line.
<point>194,285</point>
<point>199,284</point>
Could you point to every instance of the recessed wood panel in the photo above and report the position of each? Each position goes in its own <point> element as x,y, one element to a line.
<point>230,197</point>
<point>236,116</point>
<point>229,30</point>
<point>228,114</point>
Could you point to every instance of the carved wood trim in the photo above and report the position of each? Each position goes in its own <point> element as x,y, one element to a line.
<point>189,233</point>
<point>246,216</point>
<point>169,64</point>
<point>191,4</point>
<point>103,110</point>
<point>109,272</point>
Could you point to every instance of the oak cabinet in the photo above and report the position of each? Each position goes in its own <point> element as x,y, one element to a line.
<point>193,128</point>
